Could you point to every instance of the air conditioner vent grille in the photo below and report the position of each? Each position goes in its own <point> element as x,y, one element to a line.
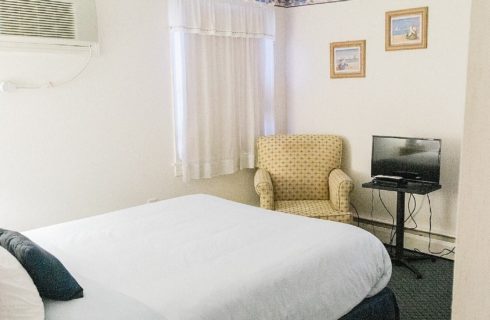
<point>37,18</point>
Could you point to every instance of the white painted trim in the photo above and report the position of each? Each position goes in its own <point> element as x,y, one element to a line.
<point>412,241</point>
<point>419,229</point>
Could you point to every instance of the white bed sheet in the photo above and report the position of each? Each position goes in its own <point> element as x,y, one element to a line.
<point>99,303</point>
<point>202,257</point>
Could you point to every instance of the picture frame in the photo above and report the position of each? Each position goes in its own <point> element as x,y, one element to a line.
<point>348,59</point>
<point>406,29</point>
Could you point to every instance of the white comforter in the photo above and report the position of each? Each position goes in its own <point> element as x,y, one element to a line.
<point>202,257</point>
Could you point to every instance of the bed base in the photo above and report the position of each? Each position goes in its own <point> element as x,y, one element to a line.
<point>382,306</point>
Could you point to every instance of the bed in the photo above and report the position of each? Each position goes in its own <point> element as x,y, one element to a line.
<point>203,257</point>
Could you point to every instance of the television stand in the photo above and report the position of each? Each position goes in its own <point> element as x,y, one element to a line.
<point>410,187</point>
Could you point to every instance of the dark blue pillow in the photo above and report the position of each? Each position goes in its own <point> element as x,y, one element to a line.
<point>51,278</point>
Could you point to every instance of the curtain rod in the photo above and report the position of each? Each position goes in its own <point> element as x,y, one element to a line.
<point>292,4</point>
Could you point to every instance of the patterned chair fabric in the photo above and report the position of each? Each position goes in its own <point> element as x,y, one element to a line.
<point>301,174</point>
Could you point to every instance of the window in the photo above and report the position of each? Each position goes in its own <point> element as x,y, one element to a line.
<point>223,83</point>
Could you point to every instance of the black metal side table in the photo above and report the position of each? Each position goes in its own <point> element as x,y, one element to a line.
<point>410,187</point>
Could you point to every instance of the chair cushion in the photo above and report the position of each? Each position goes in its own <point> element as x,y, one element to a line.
<point>313,208</point>
<point>299,165</point>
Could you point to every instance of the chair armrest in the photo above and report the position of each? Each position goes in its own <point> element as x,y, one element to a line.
<point>340,186</point>
<point>263,187</point>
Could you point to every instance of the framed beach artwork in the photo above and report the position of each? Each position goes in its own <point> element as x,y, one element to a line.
<point>406,29</point>
<point>348,59</point>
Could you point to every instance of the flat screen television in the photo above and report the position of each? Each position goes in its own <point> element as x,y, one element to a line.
<point>414,159</point>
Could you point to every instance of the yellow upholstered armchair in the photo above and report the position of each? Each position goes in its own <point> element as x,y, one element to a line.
<point>301,174</point>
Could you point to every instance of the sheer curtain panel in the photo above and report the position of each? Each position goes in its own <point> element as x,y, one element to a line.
<point>223,83</point>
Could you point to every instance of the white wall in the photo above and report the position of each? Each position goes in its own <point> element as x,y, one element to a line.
<point>418,93</point>
<point>472,279</point>
<point>105,140</point>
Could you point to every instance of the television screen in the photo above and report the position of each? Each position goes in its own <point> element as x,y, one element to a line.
<point>414,159</point>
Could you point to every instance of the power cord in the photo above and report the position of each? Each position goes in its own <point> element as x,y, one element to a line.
<point>412,211</point>
<point>393,230</point>
<point>411,216</point>
<point>87,62</point>
<point>372,211</point>
<point>7,86</point>
<point>444,252</point>
<point>357,214</point>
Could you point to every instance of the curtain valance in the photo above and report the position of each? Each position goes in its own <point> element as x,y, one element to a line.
<point>223,83</point>
<point>232,18</point>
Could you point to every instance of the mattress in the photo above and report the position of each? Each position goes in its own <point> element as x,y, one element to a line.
<point>202,257</point>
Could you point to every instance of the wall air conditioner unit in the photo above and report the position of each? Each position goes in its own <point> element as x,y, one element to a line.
<point>51,24</point>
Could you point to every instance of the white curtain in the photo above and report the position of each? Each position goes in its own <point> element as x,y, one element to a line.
<point>223,83</point>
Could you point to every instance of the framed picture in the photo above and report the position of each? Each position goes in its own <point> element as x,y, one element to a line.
<point>348,59</point>
<point>406,29</point>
